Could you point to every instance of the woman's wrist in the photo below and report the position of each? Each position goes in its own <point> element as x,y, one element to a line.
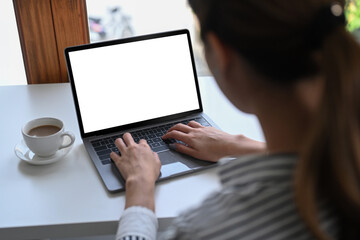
<point>140,192</point>
<point>243,145</point>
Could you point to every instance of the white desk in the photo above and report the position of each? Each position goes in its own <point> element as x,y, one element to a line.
<point>68,199</point>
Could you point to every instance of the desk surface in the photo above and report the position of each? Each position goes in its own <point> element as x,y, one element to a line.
<point>67,198</point>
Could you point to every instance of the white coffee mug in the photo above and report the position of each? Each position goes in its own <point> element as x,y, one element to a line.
<point>45,136</point>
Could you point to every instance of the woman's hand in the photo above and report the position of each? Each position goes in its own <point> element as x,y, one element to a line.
<point>211,144</point>
<point>140,167</point>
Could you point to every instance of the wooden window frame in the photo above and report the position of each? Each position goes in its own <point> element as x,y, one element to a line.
<point>46,28</point>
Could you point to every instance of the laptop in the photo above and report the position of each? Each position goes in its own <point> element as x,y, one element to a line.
<point>142,85</point>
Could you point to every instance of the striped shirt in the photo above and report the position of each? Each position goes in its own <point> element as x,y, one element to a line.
<point>255,202</point>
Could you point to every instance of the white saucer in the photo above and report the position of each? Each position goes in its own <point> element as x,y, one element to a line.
<point>25,154</point>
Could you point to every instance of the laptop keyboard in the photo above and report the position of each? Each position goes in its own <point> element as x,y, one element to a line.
<point>103,147</point>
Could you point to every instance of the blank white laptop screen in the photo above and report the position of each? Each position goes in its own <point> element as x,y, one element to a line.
<point>132,82</point>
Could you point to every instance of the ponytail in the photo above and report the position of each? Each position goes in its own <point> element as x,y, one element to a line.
<point>330,162</point>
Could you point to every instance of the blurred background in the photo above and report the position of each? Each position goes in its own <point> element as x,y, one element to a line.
<point>352,12</point>
<point>112,19</point>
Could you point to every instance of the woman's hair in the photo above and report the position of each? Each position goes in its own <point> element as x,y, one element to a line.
<point>287,41</point>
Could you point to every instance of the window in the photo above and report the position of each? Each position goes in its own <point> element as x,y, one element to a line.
<point>112,19</point>
<point>12,71</point>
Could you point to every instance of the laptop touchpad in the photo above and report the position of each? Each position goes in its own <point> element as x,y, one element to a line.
<point>171,163</point>
<point>173,168</point>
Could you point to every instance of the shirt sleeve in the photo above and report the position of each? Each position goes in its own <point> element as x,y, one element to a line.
<point>137,223</point>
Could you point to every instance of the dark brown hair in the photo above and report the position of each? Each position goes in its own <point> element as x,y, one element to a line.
<point>279,39</point>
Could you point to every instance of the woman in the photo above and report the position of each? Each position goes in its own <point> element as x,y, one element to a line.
<point>293,65</point>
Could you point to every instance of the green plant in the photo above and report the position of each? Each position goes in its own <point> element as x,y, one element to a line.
<point>352,12</point>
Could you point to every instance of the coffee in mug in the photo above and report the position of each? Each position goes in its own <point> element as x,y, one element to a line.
<point>45,136</point>
<point>44,130</point>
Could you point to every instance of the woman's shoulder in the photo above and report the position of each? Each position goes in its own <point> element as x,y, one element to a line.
<point>255,202</point>
<point>257,169</point>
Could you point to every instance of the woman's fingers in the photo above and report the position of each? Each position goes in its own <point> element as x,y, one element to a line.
<point>120,144</point>
<point>128,139</point>
<point>180,127</point>
<point>185,149</point>
<point>179,132</point>
<point>115,157</point>
<point>142,141</point>
<point>195,124</point>
<point>175,134</point>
